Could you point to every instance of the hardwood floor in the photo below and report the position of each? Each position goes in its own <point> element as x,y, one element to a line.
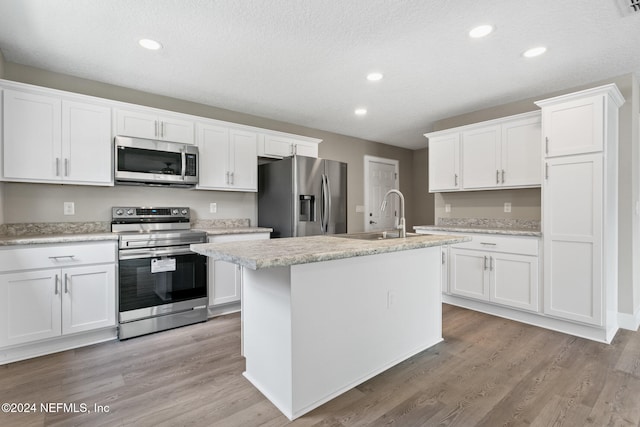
<point>488,372</point>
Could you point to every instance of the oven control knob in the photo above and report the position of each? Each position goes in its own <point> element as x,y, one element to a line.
<point>130,212</point>
<point>175,212</point>
<point>184,211</point>
<point>119,211</point>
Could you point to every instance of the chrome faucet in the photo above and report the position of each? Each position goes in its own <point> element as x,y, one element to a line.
<point>401,225</point>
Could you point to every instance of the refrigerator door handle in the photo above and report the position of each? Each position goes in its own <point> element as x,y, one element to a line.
<point>323,204</point>
<point>327,217</point>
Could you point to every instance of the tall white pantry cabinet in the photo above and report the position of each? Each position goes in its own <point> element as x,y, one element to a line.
<point>579,207</point>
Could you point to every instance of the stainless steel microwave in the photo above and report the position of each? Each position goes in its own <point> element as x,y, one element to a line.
<point>151,162</point>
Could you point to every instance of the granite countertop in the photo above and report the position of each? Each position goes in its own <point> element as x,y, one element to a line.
<point>302,250</point>
<point>72,232</point>
<point>43,239</point>
<point>480,229</point>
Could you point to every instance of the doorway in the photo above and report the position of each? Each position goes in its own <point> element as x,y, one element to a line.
<point>380,176</point>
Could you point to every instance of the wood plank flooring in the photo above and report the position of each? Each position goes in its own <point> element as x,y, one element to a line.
<point>488,372</point>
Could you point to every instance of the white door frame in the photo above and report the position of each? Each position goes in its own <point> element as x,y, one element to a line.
<point>367,161</point>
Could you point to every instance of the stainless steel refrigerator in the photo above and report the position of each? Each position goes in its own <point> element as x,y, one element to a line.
<point>303,196</point>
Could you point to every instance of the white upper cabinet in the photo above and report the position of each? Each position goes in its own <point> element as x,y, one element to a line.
<point>574,127</point>
<point>228,158</point>
<point>501,153</point>
<point>280,146</point>
<point>49,139</point>
<point>481,163</point>
<point>444,162</point>
<point>521,163</point>
<point>153,125</point>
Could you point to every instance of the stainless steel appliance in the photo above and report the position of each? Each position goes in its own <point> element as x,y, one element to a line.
<point>303,196</point>
<point>162,283</point>
<point>146,161</point>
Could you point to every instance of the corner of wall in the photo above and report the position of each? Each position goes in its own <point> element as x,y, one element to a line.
<point>1,65</point>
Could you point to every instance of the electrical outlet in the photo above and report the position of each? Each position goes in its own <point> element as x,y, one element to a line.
<point>69,208</point>
<point>507,207</point>
<point>447,208</point>
<point>213,207</point>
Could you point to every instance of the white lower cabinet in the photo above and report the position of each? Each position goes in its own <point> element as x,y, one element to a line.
<point>502,278</point>
<point>49,303</point>
<point>469,274</point>
<point>500,270</point>
<point>225,278</point>
<point>49,292</point>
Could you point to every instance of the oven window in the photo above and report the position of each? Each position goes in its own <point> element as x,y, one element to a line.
<point>149,161</point>
<point>140,287</point>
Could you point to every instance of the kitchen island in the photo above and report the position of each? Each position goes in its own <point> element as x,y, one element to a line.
<point>322,314</point>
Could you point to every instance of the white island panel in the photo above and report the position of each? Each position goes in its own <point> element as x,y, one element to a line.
<point>313,331</point>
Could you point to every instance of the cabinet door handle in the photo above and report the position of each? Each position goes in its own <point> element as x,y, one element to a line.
<point>156,129</point>
<point>455,179</point>
<point>490,263</point>
<point>57,257</point>
<point>443,258</point>
<point>162,129</point>
<point>66,283</point>
<point>232,178</point>
<point>546,145</point>
<point>66,167</point>
<point>57,166</point>
<point>485,262</point>
<point>55,291</point>
<point>488,243</point>
<point>503,176</point>
<point>497,176</point>
<point>546,171</point>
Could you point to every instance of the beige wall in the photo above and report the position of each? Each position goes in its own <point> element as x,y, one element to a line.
<point>423,202</point>
<point>93,204</point>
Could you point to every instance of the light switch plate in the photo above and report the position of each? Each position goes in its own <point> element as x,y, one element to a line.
<point>69,208</point>
<point>507,207</point>
<point>213,207</point>
<point>447,207</point>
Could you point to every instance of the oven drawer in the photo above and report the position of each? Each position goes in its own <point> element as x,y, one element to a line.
<point>46,256</point>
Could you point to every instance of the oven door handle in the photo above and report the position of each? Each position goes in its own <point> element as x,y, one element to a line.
<point>154,252</point>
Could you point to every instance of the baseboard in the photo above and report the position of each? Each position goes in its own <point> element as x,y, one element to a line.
<point>220,310</point>
<point>55,345</point>
<point>629,321</point>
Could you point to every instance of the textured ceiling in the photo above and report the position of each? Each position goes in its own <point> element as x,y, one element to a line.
<point>305,61</point>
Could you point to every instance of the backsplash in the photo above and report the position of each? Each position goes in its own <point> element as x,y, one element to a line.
<point>29,228</point>
<point>40,228</point>
<point>510,223</point>
<point>221,223</point>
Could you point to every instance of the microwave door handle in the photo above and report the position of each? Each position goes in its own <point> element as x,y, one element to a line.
<point>184,163</point>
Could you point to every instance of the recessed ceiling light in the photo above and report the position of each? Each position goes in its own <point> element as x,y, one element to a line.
<point>149,44</point>
<point>361,111</point>
<point>481,31</point>
<point>374,77</point>
<point>536,51</point>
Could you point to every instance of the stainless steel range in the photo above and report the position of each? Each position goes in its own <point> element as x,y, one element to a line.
<point>162,283</point>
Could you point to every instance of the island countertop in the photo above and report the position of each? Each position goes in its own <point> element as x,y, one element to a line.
<point>303,250</point>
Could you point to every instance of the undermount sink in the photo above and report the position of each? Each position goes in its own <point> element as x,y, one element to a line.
<point>375,235</point>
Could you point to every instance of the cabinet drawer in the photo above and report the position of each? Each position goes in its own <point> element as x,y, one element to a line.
<point>46,256</point>
<point>516,245</point>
